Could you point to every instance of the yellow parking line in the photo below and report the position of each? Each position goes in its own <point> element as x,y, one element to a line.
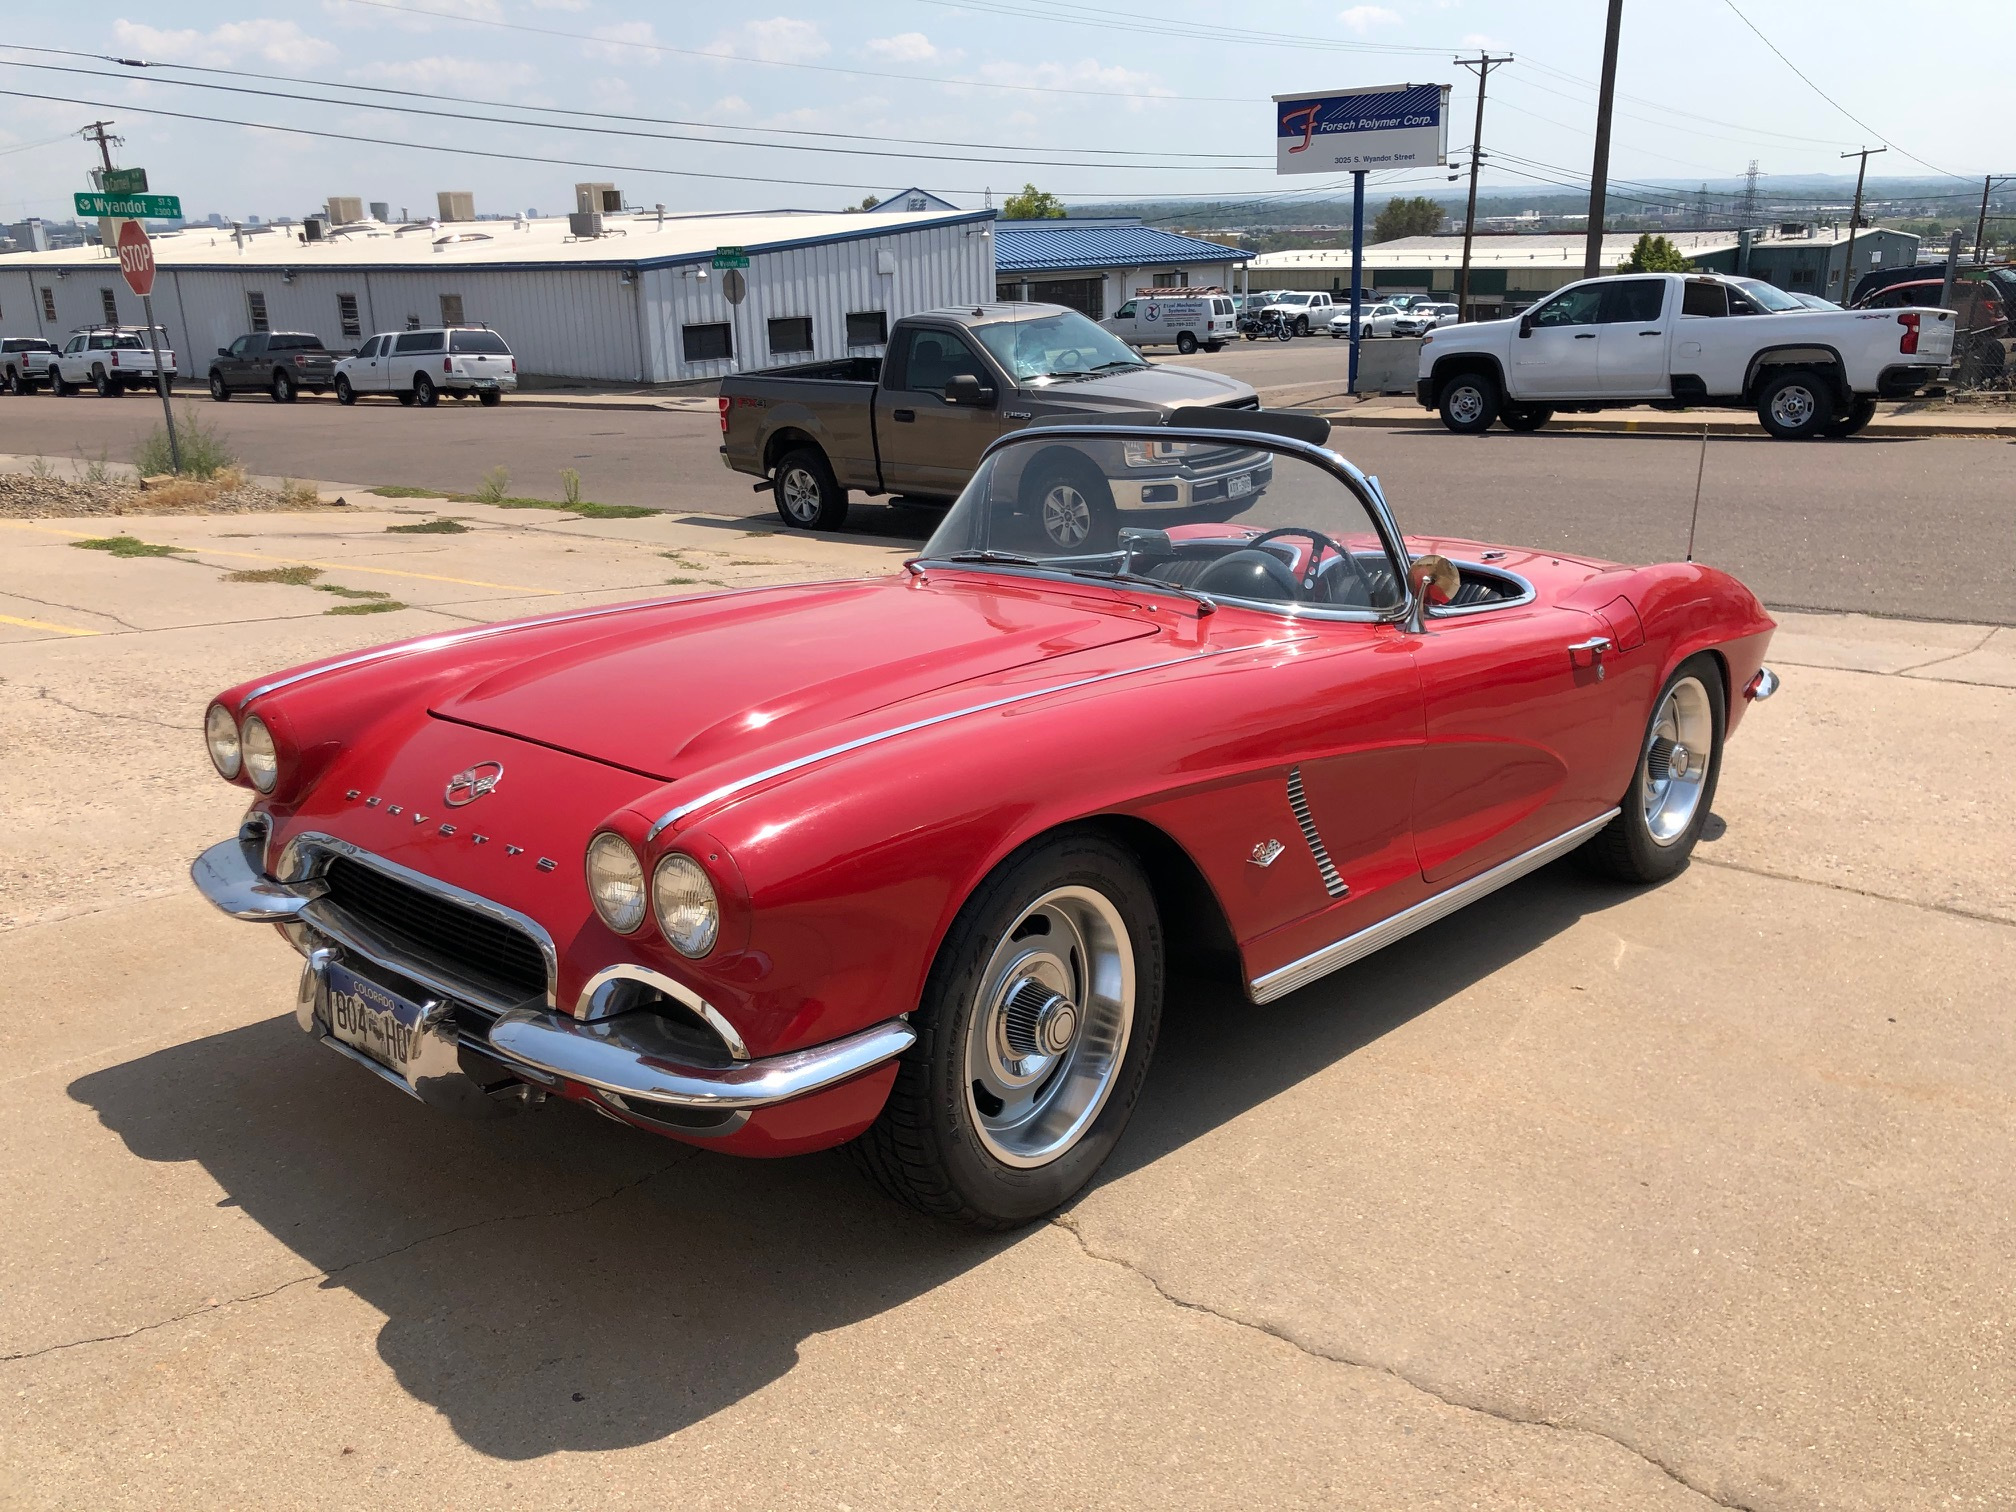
<point>28,624</point>
<point>260,556</point>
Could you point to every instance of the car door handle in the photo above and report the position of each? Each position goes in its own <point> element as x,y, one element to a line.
<point>906,416</point>
<point>1596,645</point>
<point>1651,333</point>
<point>1585,335</point>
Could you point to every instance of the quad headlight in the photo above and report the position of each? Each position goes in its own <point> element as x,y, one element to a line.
<point>688,912</point>
<point>616,882</point>
<point>260,755</point>
<point>220,734</point>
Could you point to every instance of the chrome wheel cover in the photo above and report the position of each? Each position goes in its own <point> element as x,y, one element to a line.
<point>1067,515</point>
<point>1049,1028</point>
<point>798,491</point>
<point>1466,404</point>
<point>1673,772</point>
<point>1793,406</point>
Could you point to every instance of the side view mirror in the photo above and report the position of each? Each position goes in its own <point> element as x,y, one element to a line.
<point>223,351</point>
<point>1431,580</point>
<point>1525,326</point>
<point>968,390</point>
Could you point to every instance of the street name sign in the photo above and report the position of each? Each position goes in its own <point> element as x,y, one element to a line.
<point>131,206</point>
<point>136,258</point>
<point>1362,130</point>
<point>123,180</point>
<point>730,257</point>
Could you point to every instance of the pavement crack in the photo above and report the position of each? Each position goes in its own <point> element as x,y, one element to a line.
<point>1950,656</point>
<point>350,1265</point>
<point>1952,910</point>
<point>1069,1223</point>
<point>68,608</point>
<point>63,703</point>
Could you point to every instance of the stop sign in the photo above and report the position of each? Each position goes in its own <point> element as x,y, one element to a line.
<point>136,258</point>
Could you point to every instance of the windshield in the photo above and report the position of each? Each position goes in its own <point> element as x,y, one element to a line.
<point>1062,344</point>
<point>1242,521</point>
<point>1768,295</point>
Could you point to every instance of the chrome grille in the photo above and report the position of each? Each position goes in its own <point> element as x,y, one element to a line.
<point>1299,802</point>
<point>499,961</point>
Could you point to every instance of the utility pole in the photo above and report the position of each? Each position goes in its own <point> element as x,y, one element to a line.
<point>1599,175</point>
<point>1483,63</point>
<point>95,132</point>
<point>1855,218</point>
<point>1981,225</point>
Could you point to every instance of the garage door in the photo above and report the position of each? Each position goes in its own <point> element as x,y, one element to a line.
<point>1086,295</point>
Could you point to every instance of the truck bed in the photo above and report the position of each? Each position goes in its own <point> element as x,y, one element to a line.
<point>841,370</point>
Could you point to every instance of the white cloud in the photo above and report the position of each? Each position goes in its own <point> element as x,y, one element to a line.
<point>1489,44</point>
<point>269,41</point>
<point>1086,74</point>
<point>1362,18</point>
<point>451,74</point>
<point>438,11</point>
<point>626,42</point>
<point>909,47</point>
<point>560,5</point>
<point>729,105</point>
<point>781,39</point>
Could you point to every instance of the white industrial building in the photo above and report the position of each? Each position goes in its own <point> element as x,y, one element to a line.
<point>634,299</point>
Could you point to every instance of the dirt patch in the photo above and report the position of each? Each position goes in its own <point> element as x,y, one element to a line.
<point>28,496</point>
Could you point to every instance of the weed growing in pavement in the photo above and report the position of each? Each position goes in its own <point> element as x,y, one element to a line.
<point>587,509</point>
<point>350,593</point>
<point>39,467</point>
<point>93,469</point>
<point>300,577</point>
<point>126,546</point>
<point>401,491</point>
<point>377,606</point>
<point>298,495</point>
<point>685,580</point>
<point>190,493</point>
<point>495,481</point>
<point>570,486</point>
<point>442,526</point>
<point>205,453</point>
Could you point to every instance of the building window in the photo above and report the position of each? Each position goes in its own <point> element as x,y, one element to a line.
<point>707,343</point>
<point>793,335</point>
<point>255,306</point>
<point>49,305</point>
<point>346,311</point>
<point>1802,275</point>
<point>864,328</point>
<point>1169,280</point>
<point>451,309</point>
<point>109,303</point>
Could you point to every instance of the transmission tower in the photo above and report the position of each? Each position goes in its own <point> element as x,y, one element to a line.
<point>1701,208</point>
<point>1747,216</point>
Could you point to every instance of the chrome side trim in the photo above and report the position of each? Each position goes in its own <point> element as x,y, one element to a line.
<point>1527,593</point>
<point>741,784</point>
<point>483,632</point>
<point>1299,802</point>
<point>600,1055</point>
<point>1286,979</point>
<point>585,1008</point>
<point>230,878</point>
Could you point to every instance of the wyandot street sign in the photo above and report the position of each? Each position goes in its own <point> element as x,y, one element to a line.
<point>730,257</point>
<point>135,206</point>
<point>136,258</point>
<point>1362,130</point>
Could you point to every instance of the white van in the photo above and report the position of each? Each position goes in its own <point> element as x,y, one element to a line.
<point>1187,322</point>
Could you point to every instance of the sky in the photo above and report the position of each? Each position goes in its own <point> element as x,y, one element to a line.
<point>1089,99</point>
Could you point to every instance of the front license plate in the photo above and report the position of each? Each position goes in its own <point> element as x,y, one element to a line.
<point>1238,485</point>
<point>366,1017</point>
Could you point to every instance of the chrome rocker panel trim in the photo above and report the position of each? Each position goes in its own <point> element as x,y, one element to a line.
<point>1286,979</point>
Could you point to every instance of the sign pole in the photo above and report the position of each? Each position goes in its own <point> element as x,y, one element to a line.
<point>1357,268</point>
<point>161,380</point>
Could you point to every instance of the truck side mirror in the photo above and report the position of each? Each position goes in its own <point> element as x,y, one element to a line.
<point>968,390</point>
<point>1525,326</point>
<point>223,352</point>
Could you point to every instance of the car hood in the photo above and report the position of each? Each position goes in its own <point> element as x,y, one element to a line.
<point>669,690</point>
<point>1156,386</point>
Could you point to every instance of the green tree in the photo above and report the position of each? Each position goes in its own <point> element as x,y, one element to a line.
<point>1655,254</point>
<point>868,202</point>
<point>1408,217</point>
<point>1032,204</point>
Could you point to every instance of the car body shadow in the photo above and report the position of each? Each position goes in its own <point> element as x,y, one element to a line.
<point>556,1282</point>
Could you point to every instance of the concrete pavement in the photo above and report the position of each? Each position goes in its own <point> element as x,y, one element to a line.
<point>1587,1198</point>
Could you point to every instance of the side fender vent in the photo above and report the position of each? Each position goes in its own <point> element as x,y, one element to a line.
<point>1299,802</point>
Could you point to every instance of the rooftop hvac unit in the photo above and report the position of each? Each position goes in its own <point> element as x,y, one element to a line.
<point>381,210</point>
<point>315,227</point>
<point>585,223</point>
<point>456,204</point>
<point>603,199</point>
<point>344,209</point>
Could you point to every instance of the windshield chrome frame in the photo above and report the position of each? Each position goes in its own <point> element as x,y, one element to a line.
<point>1358,484</point>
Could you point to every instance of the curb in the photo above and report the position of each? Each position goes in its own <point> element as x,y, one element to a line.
<point>1596,425</point>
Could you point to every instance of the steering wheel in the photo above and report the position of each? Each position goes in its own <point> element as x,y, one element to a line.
<point>1321,540</point>
<point>1074,357</point>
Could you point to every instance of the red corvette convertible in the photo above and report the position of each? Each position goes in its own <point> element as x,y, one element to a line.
<point>902,862</point>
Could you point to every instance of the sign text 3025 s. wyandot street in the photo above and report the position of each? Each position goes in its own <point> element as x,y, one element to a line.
<point>1360,130</point>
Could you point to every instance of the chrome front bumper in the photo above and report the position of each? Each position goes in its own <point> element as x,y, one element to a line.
<point>620,1057</point>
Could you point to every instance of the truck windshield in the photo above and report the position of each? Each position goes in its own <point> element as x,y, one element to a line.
<point>1770,297</point>
<point>1063,344</point>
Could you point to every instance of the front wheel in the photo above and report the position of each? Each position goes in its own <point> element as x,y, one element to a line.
<point>219,391</point>
<point>1033,1039</point>
<point>1679,760</point>
<point>424,393</point>
<point>1302,325</point>
<point>1074,509</point>
<point>1859,415</point>
<point>344,393</point>
<point>284,391</point>
<point>1469,403</point>
<point>1526,417</point>
<point>808,495</point>
<point>1796,405</point>
<point>1185,343</point>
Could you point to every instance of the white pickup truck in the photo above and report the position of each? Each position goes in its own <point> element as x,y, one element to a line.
<point>1675,340</point>
<point>110,359</point>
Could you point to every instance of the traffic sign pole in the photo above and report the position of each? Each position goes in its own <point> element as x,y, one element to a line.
<point>161,380</point>
<point>136,263</point>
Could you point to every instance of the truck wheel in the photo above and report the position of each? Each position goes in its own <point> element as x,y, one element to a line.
<point>1469,403</point>
<point>13,381</point>
<point>808,495</point>
<point>1796,405</point>
<point>1525,417</point>
<point>1185,343</point>
<point>1073,507</point>
<point>105,384</point>
<point>1301,325</point>
<point>491,398</point>
<point>344,393</point>
<point>1214,346</point>
<point>218,389</point>
<point>283,388</point>
<point>1859,414</point>
<point>424,393</point>
<point>56,384</point>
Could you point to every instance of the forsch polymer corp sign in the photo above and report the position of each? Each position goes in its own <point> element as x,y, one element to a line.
<point>1362,130</point>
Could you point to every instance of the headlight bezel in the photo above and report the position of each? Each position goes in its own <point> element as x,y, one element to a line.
<point>253,760</point>
<point>703,896</point>
<point>608,842</point>
<point>211,733</point>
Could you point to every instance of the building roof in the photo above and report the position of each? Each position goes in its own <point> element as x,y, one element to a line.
<point>1551,250</point>
<point>1052,246</point>
<point>636,239</point>
<point>912,198</point>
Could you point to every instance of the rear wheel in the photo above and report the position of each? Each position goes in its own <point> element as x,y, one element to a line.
<point>344,393</point>
<point>807,494</point>
<point>424,393</point>
<point>1525,417</point>
<point>218,389</point>
<point>1033,1039</point>
<point>1679,760</point>
<point>57,385</point>
<point>1469,403</point>
<point>1795,405</point>
<point>491,398</point>
<point>1301,325</point>
<point>1185,343</point>
<point>106,385</point>
<point>284,391</point>
<point>1859,415</point>
<point>13,381</point>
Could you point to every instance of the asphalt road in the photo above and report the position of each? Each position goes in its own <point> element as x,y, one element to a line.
<point>1905,527</point>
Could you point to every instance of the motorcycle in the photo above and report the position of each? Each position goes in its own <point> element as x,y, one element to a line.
<point>1261,324</point>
